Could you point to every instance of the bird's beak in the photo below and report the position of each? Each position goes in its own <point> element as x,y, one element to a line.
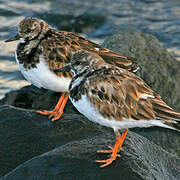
<point>15,38</point>
<point>65,68</point>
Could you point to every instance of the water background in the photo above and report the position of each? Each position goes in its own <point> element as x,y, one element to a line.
<point>94,19</point>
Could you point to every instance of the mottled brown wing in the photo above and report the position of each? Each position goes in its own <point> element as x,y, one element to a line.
<point>108,55</point>
<point>120,95</point>
<point>60,45</point>
<point>58,51</point>
<point>163,111</point>
<point>71,42</point>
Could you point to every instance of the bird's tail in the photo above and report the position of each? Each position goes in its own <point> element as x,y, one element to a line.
<point>165,112</point>
<point>173,125</point>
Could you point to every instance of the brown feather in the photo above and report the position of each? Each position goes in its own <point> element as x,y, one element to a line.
<point>70,42</point>
<point>124,91</point>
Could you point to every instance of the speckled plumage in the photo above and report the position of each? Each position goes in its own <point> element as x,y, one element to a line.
<point>57,47</point>
<point>115,93</point>
<point>113,97</point>
<point>42,49</point>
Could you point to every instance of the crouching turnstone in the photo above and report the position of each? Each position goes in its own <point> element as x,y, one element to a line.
<point>42,49</point>
<point>115,98</point>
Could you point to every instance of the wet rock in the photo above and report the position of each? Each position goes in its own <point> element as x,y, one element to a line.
<point>67,149</point>
<point>25,134</point>
<point>158,68</point>
<point>31,97</point>
<point>40,149</point>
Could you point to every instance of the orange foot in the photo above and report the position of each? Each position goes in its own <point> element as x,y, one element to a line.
<point>58,110</point>
<point>113,150</point>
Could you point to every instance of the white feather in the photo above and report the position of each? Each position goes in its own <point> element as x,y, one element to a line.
<point>43,77</point>
<point>97,49</point>
<point>85,107</point>
<point>77,81</point>
<point>145,96</point>
<point>22,40</point>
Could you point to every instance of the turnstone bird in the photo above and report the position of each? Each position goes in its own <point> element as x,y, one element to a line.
<point>116,98</point>
<point>42,49</point>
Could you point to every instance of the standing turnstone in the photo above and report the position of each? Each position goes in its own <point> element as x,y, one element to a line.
<point>42,49</point>
<point>115,98</point>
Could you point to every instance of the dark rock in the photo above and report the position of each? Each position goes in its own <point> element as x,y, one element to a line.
<point>31,97</point>
<point>66,149</point>
<point>25,134</point>
<point>70,146</point>
<point>158,68</point>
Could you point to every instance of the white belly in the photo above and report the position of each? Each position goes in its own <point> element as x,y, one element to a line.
<point>87,109</point>
<point>42,77</point>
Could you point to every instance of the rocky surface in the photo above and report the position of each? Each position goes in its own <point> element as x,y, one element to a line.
<point>31,97</point>
<point>32,147</point>
<point>67,149</point>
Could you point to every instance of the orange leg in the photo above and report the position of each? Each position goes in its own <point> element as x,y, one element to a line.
<point>58,110</point>
<point>113,150</point>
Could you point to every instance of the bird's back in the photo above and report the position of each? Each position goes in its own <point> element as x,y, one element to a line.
<point>119,94</point>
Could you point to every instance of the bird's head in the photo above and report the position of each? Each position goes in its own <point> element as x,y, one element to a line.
<point>30,28</point>
<point>82,61</point>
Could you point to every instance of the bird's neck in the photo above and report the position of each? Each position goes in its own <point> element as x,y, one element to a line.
<point>27,53</point>
<point>28,46</point>
<point>78,77</point>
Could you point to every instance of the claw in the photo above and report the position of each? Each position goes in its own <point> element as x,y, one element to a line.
<point>58,110</point>
<point>101,161</point>
<point>45,112</point>
<point>113,150</point>
<point>106,162</point>
<point>58,115</point>
<point>106,151</point>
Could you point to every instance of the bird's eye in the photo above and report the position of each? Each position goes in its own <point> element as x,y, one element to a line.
<point>28,30</point>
